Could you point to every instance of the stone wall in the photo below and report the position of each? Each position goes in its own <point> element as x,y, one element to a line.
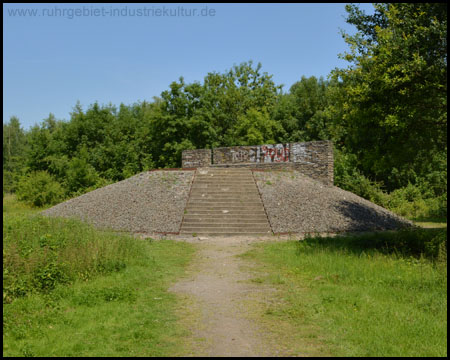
<point>251,154</point>
<point>196,158</point>
<point>314,158</point>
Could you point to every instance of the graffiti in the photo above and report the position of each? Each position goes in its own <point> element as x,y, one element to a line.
<point>256,154</point>
<point>301,154</point>
<point>240,156</point>
<point>275,153</point>
<point>244,155</point>
<point>260,154</point>
<point>253,155</point>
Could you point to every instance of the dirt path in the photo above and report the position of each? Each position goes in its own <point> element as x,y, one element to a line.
<point>221,301</point>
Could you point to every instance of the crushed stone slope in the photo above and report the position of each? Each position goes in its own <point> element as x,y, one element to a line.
<point>155,202</point>
<point>151,201</point>
<point>298,204</point>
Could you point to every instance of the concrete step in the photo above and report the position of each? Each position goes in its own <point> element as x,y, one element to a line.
<point>237,200</point>
<point>225,233</point>
<point>236,212</point>
<point>220,197</point>
<point>236,217</point>
<point>223,207</point>
<point>217,175</point>
<point>222,170</point>
<point>227,191</point>
<point>224,176</point>
<point>248,176</point>
<point>202,220</point>
<point>222,191</point>
<point>204,200</point>
<point>230,183</point>
<point>220,175</point>
<point>235,226</point>
<point>220,186</point>
<point>229,207</point>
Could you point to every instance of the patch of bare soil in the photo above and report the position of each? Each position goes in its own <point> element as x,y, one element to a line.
<point>222,303</point>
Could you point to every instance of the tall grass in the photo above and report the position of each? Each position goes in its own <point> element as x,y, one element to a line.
<point>41,252</point>
<point>71,290</point>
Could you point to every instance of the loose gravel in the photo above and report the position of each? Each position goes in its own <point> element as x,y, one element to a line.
<point>297,204</point>
<point>154,202</point>
<point>147,202</point>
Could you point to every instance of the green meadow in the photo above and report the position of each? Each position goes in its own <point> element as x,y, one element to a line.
<point>379,294</point>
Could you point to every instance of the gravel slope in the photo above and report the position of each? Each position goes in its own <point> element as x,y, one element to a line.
<point>147,202</point>
<point>154,201</point>
<point>295,203</point>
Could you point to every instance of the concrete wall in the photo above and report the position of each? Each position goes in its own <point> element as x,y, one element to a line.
<point>314,158</point>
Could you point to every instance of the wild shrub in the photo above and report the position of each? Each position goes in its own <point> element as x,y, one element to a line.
<point>39,189</point>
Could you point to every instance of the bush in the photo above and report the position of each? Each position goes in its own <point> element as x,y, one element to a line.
<point>39,189</point>
<point>411,201</point>
<point>414,201</point>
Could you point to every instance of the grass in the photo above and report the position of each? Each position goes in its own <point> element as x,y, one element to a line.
<point>430,222</point>
<point>367,297</point>
<point>108,298</point>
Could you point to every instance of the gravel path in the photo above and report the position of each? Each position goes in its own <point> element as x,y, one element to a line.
<point>147,202</point>
<point>295,203</point>
<point>224,307</point>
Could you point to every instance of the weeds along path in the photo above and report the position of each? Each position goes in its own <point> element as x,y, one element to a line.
<point>221,303</point>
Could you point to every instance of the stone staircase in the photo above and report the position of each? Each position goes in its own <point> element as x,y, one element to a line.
<point>224,202</point>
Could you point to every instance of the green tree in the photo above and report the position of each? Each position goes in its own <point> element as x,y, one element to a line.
<point>302,112</point>
<point>208,115</point>
<point>14,148</point>
<point>395,91</point>
<point>256,127</point>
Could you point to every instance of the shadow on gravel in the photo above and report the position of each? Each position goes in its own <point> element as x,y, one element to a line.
<point>366,218</point>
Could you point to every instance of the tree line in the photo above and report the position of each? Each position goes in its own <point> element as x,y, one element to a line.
<point>386,114</point>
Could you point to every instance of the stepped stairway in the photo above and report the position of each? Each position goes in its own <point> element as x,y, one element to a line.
<point>224,202</point>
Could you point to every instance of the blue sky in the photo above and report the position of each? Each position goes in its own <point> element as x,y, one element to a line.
<point>55,57</point>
